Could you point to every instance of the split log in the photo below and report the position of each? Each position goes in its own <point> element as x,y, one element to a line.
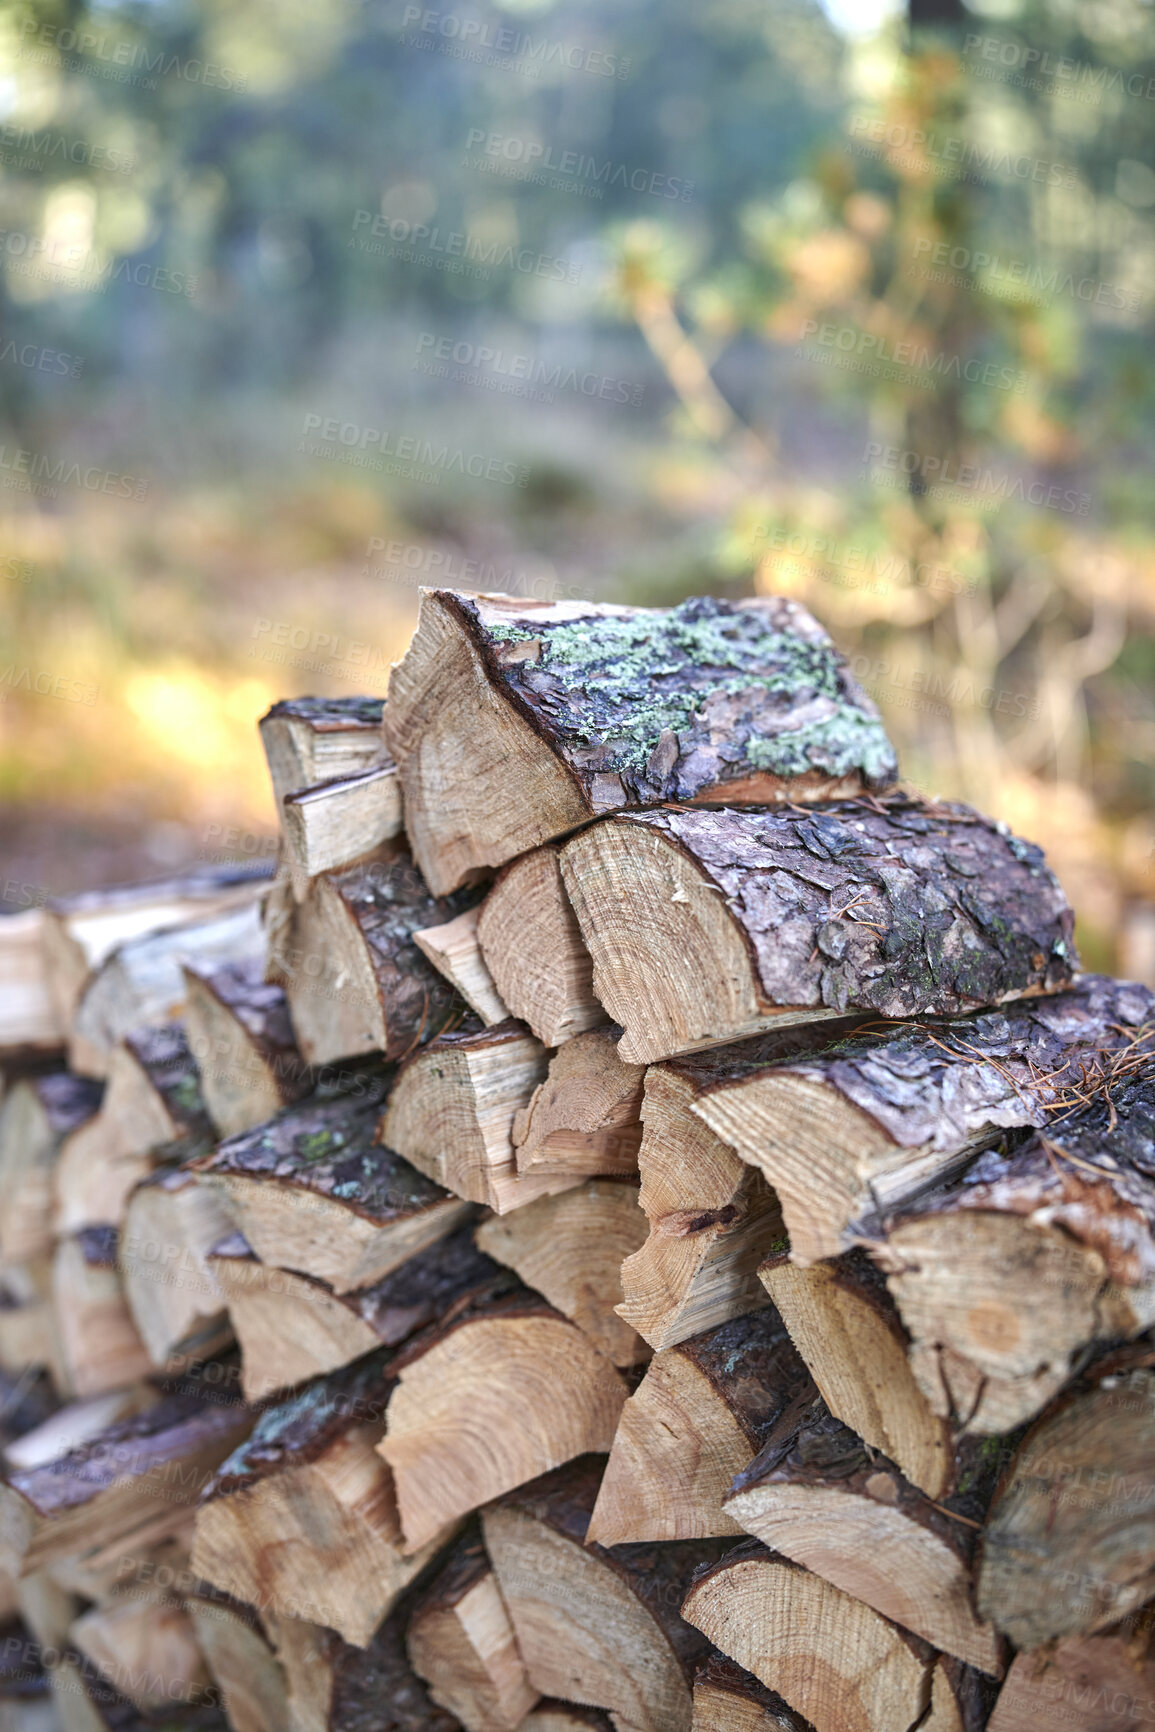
<point>833,1658</point>
<point>452,1109</point>
<point>454,951</point>
<point>335,1687</point>
<point>460,1640</point>
<point>74,1424</point>
<point>26,1401</point>
<point>291,1328</point>
<point>28,1319</point>
<point>533,948</point>
<point>585,1118</point>
<point>148,1652</point>
<point>504,1389</point>
<point>571,1248</point>
<point>311,740</point>
<point>1007,1278</point>
<point>355,980</point>
<point>152,1102</point>
<point>333,824</point>
<point>825,1500</point>
<point>699,1414</point>
<point>171,1223</point>
<point>241,1037</point>
<point>314,1191</point>
<point>1069,1545</point>
<point>602,1625</point>
<point>552,1715</point>
<point>141,982</point>
<point>729,1699</point>
<point>847,1134</point>
<point>130,1484</point>
<point>31,1027</point>
<point>705,927</point>
<point>301,1521</point>
<point>100,1348</point>
<point>844,1324</point>
<point>38,1119</point>
<point>240,1657</point>
<point>1085,1683</point>
<point>513,722</point>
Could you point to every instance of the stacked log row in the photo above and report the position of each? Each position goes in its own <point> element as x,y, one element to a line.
<point>640,1223</point>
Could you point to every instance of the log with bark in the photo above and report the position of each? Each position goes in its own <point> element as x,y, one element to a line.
<point>313,1190</point>
<point>455,952</point>
<point>532,945</point>
<point>727,1698</point>
<point>310,740</point>
<point>699,1414</point>
<point>579,1609</point>
<point>39,1118</point>
<point>585,1118</point>
<point>240,1657</point>
<point>331,825</point>
<point>553,1715</point>
<point>336,1687</point>
<point>571,1249</point>
<point>243,1042</point>
<point>707,926</point>
<point>28,1338</point>
<point>1007,1278</point>
<point>846,1135</point>
<point>100,1348</point>
<point>171,1223</point>
<point>32,1031</point>
<point>513,722</point>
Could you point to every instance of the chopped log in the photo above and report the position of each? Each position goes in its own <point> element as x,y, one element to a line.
<point>585,1118</point>
<point>335,1687</point>
<point>31,1027</point>
<point>699,1414</point>
<point>332,825</point>
<point>158,1572</point>
<point>843,1322</point>
<point>961,1698</point>
<point>705,927</point>
<point>833,1658</point>
<point>146,1651</point>
<point>847,1135</point>
<point>452,1109</point>
<point>533,947</point>
<point>579,1610</point>
<point>729,1699</point>
<point>100,1348</point>
<point>28,1320</point>
<point>38,1119</point>
<point>314,1191</point>
<point>826,1500</point>
<point>503,1390</point>
<point>571,1248</point>
<point>311,740</point>
<point>513,722</point>
<point>1069,1545</point>
<point>244,1667</point>
<point>152,1101</point>
<point>552,1715</point>
<point>26,1401</point>
<point>1084,1683</point>
<point>241,1037</point>
<point>291,1328</point>
<point>1069,1218</point>
<point>74,1424</point>
<point>712,1220</point>
<point>355,980</point>
<point>131,1483</point>
<point>171,1223</point>
<point>460,1640</point>
<point>454,951</point>
<point>141,982</point>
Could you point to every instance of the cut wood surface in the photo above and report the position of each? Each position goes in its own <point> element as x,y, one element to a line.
<point>452,1109</point>
<point>455,952</point>
<point>100,1346</point>
<point>147,1651</point>
<point>513,722</point>
<point>844,1324</point>
<point>727,1698</point>
<point>533,948</point>
<point>314,1191</point>
<point>703,1409</point>
<point>243,1042</point>
<point>826,1500</point>
<point>1007,1277</point>
<point>74,1423</point>
<point>291,1327</point>
<point>461,1641</point>
<point>1097,1683</point>
<point>332,825</point>
<point>552,1715</point>
<point>504,1390</point>
<point>577,1609</point>
<point>355,979</point>
<point>38,1119</point>
<point>571,1249</point>
<point>833,1658</point>
<point>708,926</point>
<point>585,1118</point>
<point>310,740</point>
<point>240,1657</point>
<point>845,1134</point>
<point>336,1687</point>
<point>31,1025</point>
<point>302,1519</point>
<point>171,1223</point>
<point>1069,1545</point>
<point>28,1335</point>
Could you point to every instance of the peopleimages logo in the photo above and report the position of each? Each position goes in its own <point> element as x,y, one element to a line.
<point>501,44</point>
<point>503,370</point>
<point>987,486</point>
<point>1037,280</point>
<point>952,156</point>
<point>537,162</point>
<point>453,250</point>
<point>363,444</point>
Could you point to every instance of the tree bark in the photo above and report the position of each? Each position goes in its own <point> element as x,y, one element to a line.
<point>242,1039</point>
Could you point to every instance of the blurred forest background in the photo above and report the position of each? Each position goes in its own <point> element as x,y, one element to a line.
<point>304,303</point>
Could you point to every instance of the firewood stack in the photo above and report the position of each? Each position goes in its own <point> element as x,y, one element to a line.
<point>639,1224</point>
